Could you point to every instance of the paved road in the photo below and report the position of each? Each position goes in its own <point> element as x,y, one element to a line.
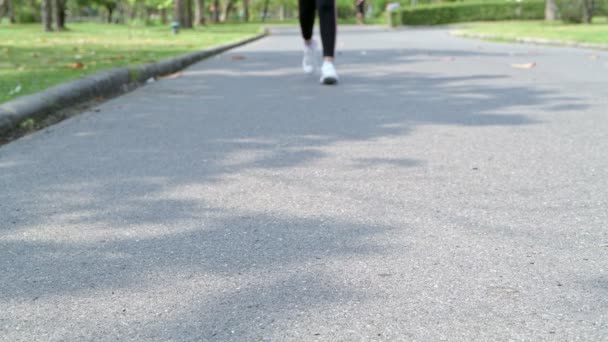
<point>437,193</point>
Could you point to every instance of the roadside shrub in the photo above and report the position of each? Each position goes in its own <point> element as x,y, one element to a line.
<point>575,11</point>
<point>469,11</point>
<point>345,8</point>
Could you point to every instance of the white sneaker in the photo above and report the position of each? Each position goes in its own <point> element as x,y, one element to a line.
<point>328,73</point>
<point>311,56</point>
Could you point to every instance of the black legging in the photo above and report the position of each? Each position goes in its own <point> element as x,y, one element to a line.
<point>327,21</point>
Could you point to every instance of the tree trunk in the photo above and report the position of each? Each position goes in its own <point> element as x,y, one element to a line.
<point>47,15</point>
<point>121,12</point>
<point>11,11</point>
<point>183,13</point>
<point>550,10</point>
<point>199,12</point>
<point>587,11</point>
<point>147,15</point>
<point>265,13</point>
<point>226,10</point>
<point>246,10</point>
<point>59,15</point>
<point>2,9</point>
<point>189,16</point>
<point>110,10</point>
<point>132,12</point>
<point>163,16</point>
<point>216,11</point>
<point>179,11</point>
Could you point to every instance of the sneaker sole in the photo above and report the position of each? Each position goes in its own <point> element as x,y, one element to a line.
<point>329,81</point>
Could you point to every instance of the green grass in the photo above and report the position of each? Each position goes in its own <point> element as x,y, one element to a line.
<point>379,20</point>
<point>596,33</point>
<point>33,60</point>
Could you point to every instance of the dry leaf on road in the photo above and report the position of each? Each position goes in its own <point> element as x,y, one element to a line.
<point>172,76</point>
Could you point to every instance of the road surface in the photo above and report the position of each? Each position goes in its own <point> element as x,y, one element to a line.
<point>438,193</point>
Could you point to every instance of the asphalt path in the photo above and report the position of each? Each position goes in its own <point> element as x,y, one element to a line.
<point>447,189</point>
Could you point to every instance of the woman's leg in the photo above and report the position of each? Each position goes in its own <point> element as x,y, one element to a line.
<point>327,21</point>
<point>307,10</point>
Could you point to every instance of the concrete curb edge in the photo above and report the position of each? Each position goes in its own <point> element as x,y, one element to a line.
<point>103,84</point>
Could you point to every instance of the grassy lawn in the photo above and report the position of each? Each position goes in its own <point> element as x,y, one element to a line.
<point>31,60</point>
<point>596,33</point>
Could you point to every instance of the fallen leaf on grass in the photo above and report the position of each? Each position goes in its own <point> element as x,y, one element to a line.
<point>524,65</point>
<point>116,58</point>
<point>172,76</point>
<point>75,66</point>
<point>237,58</point>
<point>35,54</point>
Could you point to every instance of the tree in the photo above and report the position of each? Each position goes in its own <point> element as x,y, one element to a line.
<point>587,11</point>
<point>226,10</point>
<point>216,11</point>
<point>110,7</point>
<point>576,11</point>
<point>199,12</point>
<point>246,10</point>
<point>11,11</point>
<point>161,7</point>
<point>47,15</point>
<point>265,12</point>
<point>183,13</point>
<point>60,14</point>
<point>550,10</point>
<point>3,8</point>
<point>189,14</point>
<point>179,11</point>
<point>6,7</point>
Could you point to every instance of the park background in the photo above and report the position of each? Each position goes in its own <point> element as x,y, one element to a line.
<point>48,42</point>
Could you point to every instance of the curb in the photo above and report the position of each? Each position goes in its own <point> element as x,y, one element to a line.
<point>534,41</point>
<point>103,84</point>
